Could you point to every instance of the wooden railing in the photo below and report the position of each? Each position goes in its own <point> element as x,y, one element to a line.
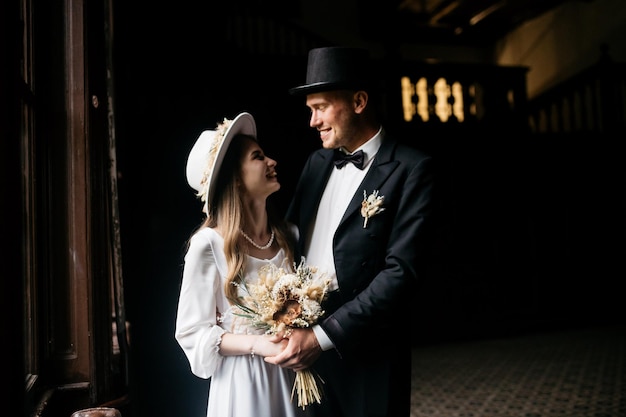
<point>466,96</point>
<point>593,101</point>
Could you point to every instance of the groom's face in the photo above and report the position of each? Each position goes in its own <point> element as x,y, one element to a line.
<point>332,114</point>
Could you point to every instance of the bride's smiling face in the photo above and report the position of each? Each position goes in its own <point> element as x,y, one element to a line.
<point>258,171</point>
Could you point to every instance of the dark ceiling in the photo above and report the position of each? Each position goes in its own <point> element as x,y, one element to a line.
<point>470,22</point>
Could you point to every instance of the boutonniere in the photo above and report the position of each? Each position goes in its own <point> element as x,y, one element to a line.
<point>371,205</point>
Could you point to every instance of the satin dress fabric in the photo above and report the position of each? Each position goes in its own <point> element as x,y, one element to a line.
<point>240,386</point>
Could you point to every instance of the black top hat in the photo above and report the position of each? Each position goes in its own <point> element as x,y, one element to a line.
<point>335,68</point>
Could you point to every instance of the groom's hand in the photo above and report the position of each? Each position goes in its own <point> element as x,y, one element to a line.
<point>301,351</point>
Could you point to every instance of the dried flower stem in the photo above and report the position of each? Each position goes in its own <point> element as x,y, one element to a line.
<point>306,387</point>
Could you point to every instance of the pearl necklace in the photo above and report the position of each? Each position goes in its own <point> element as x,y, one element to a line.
<point>249,239</point>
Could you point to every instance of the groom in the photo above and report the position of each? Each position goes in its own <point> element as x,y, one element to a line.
<point>363,207</point>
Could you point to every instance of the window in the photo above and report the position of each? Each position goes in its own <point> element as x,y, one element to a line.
<point>74,352</point>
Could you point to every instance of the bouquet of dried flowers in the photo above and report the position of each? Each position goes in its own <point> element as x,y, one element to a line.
<point>283,299</point>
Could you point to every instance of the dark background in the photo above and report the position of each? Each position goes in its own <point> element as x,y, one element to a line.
<point>530,231</point>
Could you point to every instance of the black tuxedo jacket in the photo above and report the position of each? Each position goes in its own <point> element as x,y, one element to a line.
<point>377,267</point>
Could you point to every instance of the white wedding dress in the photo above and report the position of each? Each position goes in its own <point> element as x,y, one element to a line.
<point>241,386</point>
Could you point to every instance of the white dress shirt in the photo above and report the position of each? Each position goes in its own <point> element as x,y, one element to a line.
<point>342,184</point>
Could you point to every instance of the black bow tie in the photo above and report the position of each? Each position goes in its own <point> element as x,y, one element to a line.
<point>341,158</point>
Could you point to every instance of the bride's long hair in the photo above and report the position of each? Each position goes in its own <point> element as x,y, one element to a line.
<point>226,210</point>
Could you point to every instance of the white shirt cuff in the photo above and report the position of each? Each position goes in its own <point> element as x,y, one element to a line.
<point>322,338</point>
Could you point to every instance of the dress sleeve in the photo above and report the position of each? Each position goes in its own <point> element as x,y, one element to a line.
<point>197,330</point>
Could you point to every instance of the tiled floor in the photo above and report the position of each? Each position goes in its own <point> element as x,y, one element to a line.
<point>572,373</point>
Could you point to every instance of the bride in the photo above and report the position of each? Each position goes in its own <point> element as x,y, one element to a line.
<point>234,178</point>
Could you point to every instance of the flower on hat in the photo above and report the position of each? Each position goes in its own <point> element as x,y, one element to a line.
<point>207,154</point>
<point>220,134</point>
<point>371,205</point>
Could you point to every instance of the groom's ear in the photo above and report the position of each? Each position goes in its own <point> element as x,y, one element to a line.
<point>360,101</point>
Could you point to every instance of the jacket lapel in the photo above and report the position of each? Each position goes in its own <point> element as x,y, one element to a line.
<point>322,164</point>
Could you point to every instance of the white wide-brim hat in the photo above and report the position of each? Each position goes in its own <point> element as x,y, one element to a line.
<point>206,157</point>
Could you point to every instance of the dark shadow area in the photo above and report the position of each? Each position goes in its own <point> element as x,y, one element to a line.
<point>530,234</point>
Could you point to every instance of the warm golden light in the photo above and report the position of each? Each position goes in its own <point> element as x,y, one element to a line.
<point>407,104</point>
<point>421,89</point>
<point>448,100</point>
<point>442,107</point>
<point>457,106</point>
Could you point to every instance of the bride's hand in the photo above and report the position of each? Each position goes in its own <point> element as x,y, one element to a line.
<point>266,345</point>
